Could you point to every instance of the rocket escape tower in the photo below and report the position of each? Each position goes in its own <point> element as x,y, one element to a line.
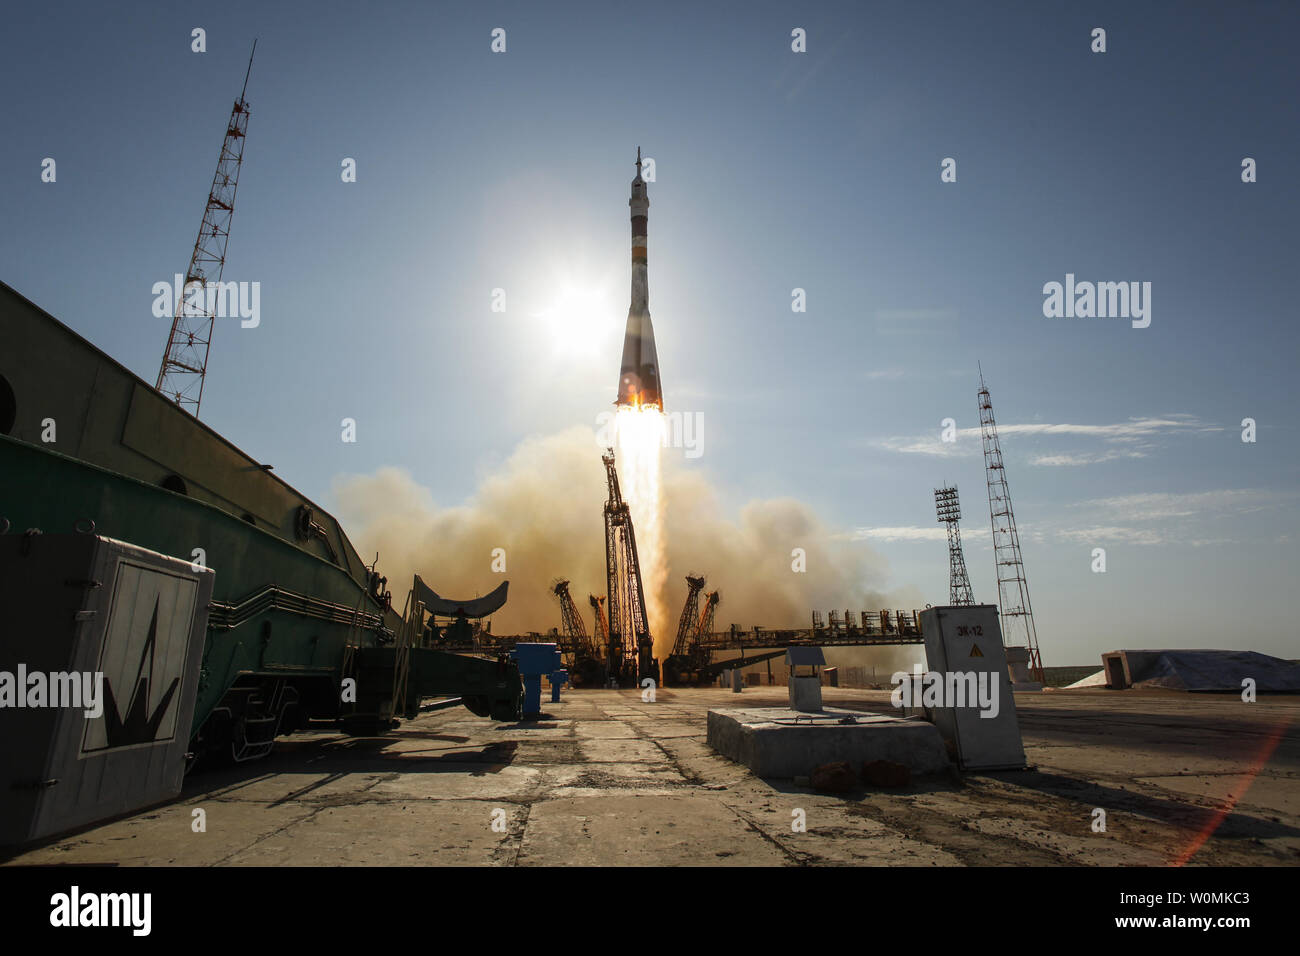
<point>1013,589</point>
<point>630,657</point>
<point>949,511</point>
<point>185,363</point>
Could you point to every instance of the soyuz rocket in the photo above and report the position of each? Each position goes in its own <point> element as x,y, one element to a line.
<point>638,378</point>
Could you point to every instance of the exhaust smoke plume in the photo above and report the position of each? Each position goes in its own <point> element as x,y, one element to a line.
<point>544,508</point>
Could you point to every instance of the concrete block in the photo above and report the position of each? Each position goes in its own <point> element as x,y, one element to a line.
<point>1018,670</point>
<point>805,694</point>
<point>779,742</point>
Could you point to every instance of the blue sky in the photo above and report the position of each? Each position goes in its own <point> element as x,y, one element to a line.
<point>774,170</point>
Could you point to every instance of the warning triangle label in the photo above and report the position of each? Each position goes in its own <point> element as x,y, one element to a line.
<point>975,651</point>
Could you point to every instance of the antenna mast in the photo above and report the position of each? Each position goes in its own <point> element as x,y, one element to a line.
<point>185,362</point>
<point>1013,589</point>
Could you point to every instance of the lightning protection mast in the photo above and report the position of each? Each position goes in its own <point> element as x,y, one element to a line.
<point>1013,588</point>
<point>185,363</point>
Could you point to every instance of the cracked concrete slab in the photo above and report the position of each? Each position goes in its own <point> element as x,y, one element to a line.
<point>443,832</point>
<point>621,751</point>
<point>642,830</point>
<point>605,779</point>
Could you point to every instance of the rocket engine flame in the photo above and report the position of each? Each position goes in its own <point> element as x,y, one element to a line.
<point>639,435</point>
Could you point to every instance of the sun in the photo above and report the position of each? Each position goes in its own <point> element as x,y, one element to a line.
<point>578,319</point>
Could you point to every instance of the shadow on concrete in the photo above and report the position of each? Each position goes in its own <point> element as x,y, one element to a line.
<point>1235,825</point>
<point>928,783</point>
<point>337,758</point>
<point>1221,737</point>
<point>537,722</point>
<point>423,736</point>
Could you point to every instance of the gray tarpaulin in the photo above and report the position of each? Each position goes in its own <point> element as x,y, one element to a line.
<point>1210,670</point>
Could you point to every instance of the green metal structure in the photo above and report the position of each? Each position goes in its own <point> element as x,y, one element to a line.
<point>299,628</point>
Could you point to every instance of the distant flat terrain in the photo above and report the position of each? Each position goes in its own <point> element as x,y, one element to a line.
<point>1064,676</point>
<point>607,779</point>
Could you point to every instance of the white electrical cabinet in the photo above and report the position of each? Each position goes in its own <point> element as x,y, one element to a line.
<point>963,646</point>
<point>79,612</point>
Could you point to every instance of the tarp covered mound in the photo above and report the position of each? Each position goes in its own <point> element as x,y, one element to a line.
<point>1209,670</point>
<point>1094,680</point>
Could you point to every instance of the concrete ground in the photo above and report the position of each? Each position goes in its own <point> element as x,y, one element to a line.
<point>606,779</point>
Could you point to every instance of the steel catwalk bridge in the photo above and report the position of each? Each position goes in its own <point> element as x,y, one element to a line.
<point>883,629</point>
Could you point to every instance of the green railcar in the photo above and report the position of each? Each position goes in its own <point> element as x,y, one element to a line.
<point>299,629</point>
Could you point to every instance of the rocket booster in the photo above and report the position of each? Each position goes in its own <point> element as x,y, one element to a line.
<point>638,378</point>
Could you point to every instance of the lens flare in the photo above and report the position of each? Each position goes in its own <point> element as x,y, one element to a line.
<point>639,433</point>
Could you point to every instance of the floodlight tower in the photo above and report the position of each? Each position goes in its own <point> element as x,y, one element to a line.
<point>949,510</point>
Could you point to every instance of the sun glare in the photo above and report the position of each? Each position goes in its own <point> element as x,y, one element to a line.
<point>579,318</point>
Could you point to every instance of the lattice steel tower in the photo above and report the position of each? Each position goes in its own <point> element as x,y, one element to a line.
<point>630,655</point>
<point>949,510</point>
<point>185,363</point>
<point>690,614</point>
<point>573,632</point>
<point>1013,589</point>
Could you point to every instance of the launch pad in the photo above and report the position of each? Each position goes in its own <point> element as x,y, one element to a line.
<point>608,779</point>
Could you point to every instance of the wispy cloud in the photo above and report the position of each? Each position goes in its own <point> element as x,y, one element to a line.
<point>1084,459</point>
<point>1137,435</point>
<point>1133,429</point>
<point>930,445</point>
<point>1163,506</point>
<point>1107,534</point>
<point>1156,518</point>
<point>914,533</point>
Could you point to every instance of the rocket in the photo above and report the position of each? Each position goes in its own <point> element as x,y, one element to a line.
<point>638,378</point>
